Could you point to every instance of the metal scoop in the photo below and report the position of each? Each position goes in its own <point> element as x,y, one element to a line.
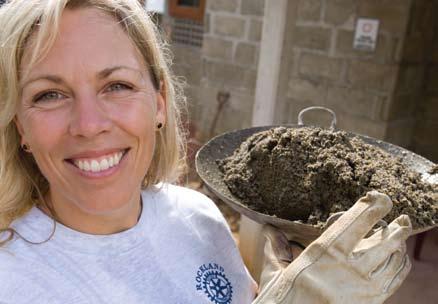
<point>224,145</point>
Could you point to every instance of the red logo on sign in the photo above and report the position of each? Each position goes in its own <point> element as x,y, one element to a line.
<point>367,27</point>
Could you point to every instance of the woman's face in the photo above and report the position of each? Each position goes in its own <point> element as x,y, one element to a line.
<point>88,112</point>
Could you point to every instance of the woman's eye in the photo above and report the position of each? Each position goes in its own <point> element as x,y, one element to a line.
<point>48,96</point>
<point>118,87</point>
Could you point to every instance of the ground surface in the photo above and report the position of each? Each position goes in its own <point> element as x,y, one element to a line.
<point>421,285</point>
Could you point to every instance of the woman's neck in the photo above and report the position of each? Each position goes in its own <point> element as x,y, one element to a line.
<point>110,222</point>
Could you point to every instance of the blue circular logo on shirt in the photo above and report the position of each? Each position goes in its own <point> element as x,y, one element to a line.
<point>214,283</point>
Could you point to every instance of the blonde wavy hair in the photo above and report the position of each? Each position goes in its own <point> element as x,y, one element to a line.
<point>21,183</point>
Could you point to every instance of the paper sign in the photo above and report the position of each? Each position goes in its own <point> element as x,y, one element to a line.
<point>156,6</point>
<point>365,36</point>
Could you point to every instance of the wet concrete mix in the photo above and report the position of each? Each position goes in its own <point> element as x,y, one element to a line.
<point>307,174</point>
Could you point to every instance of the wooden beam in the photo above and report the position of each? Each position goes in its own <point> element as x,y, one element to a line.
<point>251,242</point>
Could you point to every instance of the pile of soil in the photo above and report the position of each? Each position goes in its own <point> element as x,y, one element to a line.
<point>307,174</point>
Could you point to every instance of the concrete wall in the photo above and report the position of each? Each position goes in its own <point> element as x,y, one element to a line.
<point>326,70</point>
<point>227,62</point>
<point>390,93</point>
<point>421,53</point>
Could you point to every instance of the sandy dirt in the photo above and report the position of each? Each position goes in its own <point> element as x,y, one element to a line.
<point>307,174</point>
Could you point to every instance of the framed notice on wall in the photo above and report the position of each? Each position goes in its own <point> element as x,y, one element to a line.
<point>365,36</point>
<point>187,9</point>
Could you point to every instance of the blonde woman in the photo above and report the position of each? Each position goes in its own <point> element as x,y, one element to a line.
<point>90,144</point>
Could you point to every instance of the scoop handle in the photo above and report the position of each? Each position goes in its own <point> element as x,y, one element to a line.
<point>332,124</point>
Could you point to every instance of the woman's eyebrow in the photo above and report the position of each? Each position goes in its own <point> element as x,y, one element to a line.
<point>102,74</point>
<point>108,71</point>
<point>52,78</point>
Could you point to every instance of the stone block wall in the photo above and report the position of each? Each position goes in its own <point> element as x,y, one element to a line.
<point>227,62</point>
<point>421,55</point>
<point>390,93</point>
<point>326,70</point>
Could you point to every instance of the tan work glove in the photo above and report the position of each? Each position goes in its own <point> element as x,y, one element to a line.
<point>341,266</point>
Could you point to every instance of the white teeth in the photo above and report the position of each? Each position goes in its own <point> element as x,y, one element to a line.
<point>117,157</point>
<point>104,164</point>
<point>94,166</point>
<point>81,165</point>
<point>97,166</point>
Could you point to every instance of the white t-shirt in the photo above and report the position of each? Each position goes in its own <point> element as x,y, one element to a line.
<point>180,251</point>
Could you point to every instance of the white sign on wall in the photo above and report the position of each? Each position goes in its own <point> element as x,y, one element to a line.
<point>365,36</point>
<point>156,6</point>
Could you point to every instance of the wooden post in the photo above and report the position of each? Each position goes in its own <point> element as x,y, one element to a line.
<point>251,242</point>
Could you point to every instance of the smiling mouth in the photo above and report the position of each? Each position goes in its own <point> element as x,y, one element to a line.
<point>99,164</point>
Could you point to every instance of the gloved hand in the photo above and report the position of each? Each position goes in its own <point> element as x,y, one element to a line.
<point>341,266</point>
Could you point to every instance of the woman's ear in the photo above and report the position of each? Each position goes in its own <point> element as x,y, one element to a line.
<point>20,129</point>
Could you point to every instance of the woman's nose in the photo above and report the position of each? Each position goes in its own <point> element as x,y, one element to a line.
<point>89,117</point>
